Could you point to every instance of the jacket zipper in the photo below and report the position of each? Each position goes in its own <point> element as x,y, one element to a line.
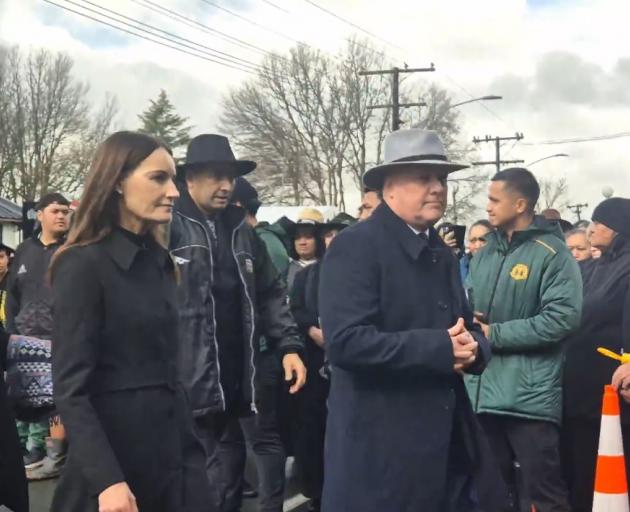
<point>253,326</point>
<point>214,314</point>
<point>490,304</point>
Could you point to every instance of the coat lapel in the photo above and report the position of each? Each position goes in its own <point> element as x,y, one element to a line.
<point>411,243</point>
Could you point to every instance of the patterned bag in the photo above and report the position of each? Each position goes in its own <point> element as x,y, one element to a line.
<point>29,372</point>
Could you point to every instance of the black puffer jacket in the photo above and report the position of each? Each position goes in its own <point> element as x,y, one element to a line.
<point>29,297</point>
<point>265,311</point>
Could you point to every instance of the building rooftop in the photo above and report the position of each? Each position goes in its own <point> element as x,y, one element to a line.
<point>9,211</point>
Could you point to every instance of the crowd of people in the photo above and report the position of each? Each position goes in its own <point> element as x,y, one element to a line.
<point>159,331</point>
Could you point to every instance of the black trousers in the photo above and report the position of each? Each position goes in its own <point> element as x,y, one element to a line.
<point>262,435</point>
<point>310,433</point>
<point>580,442</point>
<point>224,436</point>
<point>224,444</point>
<point>13,486</point>
<point>535,446</point>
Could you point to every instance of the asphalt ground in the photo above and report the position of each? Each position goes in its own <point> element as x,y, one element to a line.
<point>41,494</point>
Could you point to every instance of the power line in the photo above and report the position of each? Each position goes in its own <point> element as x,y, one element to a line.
<point>179,49</point>
<point>254,23</point>
<point>173,15</point>
<point>348,39</point>
<point>580,139</point>
<point>277,32</point>
<point>215,53</point>
<point>509,151</point>
<point>470,95</point>
<point>352,24</point>
<point>276,6</point>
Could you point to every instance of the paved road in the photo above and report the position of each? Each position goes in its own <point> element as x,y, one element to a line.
<point>41,496</point>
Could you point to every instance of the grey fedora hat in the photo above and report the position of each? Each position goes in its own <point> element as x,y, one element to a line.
<point>410,148</point>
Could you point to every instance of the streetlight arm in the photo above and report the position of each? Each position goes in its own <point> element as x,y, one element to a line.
<point>482,98</point>
<point>546,158</point>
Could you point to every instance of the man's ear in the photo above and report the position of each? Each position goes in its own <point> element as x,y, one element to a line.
<point>40,216</point>
<point>522,205</point>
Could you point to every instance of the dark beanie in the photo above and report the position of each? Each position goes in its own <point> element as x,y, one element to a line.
<point>245,194</point>
<point>614,213</point>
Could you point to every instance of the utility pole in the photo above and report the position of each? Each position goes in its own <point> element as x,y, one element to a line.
<point>577,209</point>
<point>497,141</point>
<point>395,104</point>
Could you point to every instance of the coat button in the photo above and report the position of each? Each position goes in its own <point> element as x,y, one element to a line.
<point>442,305</point>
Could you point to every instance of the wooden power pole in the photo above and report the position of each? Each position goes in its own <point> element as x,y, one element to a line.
<point>395,104</point>
<point>497,141</point>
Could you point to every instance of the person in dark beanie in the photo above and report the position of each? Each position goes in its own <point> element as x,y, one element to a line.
<point>274,235</point>
<point>29,313</point>
<point>262,432</point>
<point>246,196</point>
<point>606,323</point>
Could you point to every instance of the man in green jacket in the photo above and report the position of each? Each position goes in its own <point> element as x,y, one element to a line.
<point>526,291</point>
<point>277,240</point>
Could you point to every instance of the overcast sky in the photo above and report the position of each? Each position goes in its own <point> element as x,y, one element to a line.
<point>562,66</point>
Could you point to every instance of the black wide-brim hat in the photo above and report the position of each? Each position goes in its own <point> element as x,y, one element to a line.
<point>410,149</point>
<point>340,222</point>
<point>213,151</point>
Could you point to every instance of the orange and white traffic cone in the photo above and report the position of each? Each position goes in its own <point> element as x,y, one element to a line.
<point>611,487</point>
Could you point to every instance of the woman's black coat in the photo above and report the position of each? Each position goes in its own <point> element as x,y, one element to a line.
<point>311,407</point>
<point>116,386</point>
<point>605,323</point>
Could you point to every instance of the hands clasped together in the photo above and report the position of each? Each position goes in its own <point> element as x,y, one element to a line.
<point>465,347</point>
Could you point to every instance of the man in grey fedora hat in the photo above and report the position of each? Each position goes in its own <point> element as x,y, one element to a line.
<point>401,433</point>
<point>229,296</point>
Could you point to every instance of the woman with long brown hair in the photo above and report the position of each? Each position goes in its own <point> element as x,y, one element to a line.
<point>127,419</point>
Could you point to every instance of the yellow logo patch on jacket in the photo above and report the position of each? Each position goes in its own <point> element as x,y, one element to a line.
<point>520,272</point>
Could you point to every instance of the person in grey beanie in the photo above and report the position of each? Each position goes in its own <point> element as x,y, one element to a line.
<point>606,323</point>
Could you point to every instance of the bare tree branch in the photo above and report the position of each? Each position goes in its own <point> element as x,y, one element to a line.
<point>554,193</point>
<point>46,131</point>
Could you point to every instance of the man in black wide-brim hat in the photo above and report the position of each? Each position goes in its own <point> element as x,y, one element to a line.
<point>228,285</point>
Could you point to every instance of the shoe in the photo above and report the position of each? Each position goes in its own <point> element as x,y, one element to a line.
<point>53,462</point>
<point>248,491</point>
<point>33,458</point>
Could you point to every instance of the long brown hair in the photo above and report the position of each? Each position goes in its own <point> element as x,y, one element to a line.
<point>115,159</point>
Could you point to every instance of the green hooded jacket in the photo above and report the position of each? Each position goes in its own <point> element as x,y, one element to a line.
<point>275,237</point>
<point>530,291</point>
